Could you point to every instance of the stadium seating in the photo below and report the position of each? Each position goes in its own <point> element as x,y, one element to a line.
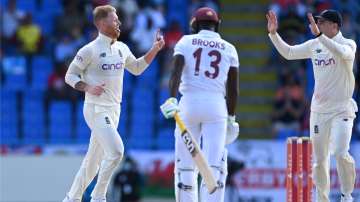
<point>27,5</point>
<point>14,68</point>
<point>42,67</point>
<point>45,21</point>
<point>148,77</point>
<point>33,115</point>
<point>9,118</point>
<point>52,8</point>
<point>82,130</point>
<point>60,122</point>
<point>165,139</point>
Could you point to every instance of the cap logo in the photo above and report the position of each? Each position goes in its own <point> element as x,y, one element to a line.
<point>209,13</point>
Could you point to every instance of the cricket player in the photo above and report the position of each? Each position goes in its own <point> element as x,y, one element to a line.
<point>332,107</point>
<point>98,70</point>
<point>205,72</point>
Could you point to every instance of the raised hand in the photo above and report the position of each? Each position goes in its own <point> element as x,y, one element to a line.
<point>272,24</point>
<point>313,26</point>
<point>159,41</point>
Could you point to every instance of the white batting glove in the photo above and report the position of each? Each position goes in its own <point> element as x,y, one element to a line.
<point>232,130</point>
<point>170,107</point>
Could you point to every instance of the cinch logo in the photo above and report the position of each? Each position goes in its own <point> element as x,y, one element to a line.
<point>330,61</point>
<point>112,66</point>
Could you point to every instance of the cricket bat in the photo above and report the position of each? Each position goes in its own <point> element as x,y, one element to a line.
<point>197,156</point>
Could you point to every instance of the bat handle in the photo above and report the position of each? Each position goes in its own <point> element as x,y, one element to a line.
<point>179,122</point>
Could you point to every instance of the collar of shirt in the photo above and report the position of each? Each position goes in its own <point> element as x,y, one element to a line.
<point>209,33</point>
<point>338,37</point>
<point>106,39</point>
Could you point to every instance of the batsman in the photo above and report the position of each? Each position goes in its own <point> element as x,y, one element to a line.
<point>205,72</point>
<point>332,107</point>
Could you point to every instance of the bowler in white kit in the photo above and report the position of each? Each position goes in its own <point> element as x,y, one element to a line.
<point>332,107</point>
<point>97,70</point>
<point>205,73</point>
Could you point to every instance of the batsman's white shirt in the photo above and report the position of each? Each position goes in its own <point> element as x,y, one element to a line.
<point>103,62</point>
<point>332,61</point>
<point>208,59</point>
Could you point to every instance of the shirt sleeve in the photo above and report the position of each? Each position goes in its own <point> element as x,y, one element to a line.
<point>234,58</point>
<point>72,76</point>
<point>83,57</point>
<point>345,51</point>
<point>300,51</point>
<point>179,48</point>
<point>130,58</point>
<point>134,65</point>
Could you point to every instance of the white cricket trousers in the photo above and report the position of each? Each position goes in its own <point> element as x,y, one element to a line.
<point>105,151</point>
<point>331,134</point>
<point>204,116</point>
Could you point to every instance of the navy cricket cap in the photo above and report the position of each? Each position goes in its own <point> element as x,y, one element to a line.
<point>330,15</point>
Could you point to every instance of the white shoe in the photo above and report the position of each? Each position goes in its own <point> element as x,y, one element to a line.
<point>67,199</point>
<point>346,199</point>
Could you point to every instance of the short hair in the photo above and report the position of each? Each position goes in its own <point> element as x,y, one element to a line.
<point>101,12</point>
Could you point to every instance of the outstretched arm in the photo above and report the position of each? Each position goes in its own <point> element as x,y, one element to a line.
<point>300,51</point>
<point>345,51</point>
<point>138,66</point>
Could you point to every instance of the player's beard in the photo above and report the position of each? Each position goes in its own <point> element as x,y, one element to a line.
<point>117,33</point>
<point>113,32</point>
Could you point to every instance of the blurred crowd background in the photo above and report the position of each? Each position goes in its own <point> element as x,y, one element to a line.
<point>39,39</point>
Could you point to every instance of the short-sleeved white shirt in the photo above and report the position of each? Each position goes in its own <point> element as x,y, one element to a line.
<point>102,62</point>
<point>208,59</point>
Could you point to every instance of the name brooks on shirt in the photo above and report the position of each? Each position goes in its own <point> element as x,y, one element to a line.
<point>206,43</point>
<point>115,66</point>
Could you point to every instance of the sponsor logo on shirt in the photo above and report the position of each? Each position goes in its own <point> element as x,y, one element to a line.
<point>107,120</point>
<point>316,129</point>
<point>79,58</point>
<point>318,50</point>
<point>324,62</point>
<point>102,55</point>
<point>115,66</point>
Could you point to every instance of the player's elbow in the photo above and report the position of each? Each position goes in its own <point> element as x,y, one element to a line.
<point>139,72</point>
<point>135,72</point>
<point>138,67</point>
<point>287,56</point>
<point>347,55</point>
<point>67,79</point>
<point>71,79</point>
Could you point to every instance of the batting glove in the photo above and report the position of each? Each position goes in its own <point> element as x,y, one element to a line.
<point>232,130</point>
<point>170,107</point>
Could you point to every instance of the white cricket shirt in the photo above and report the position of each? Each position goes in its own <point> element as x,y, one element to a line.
<point>207,61</point>
<point>332,61</point>
<point>103,61</point>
